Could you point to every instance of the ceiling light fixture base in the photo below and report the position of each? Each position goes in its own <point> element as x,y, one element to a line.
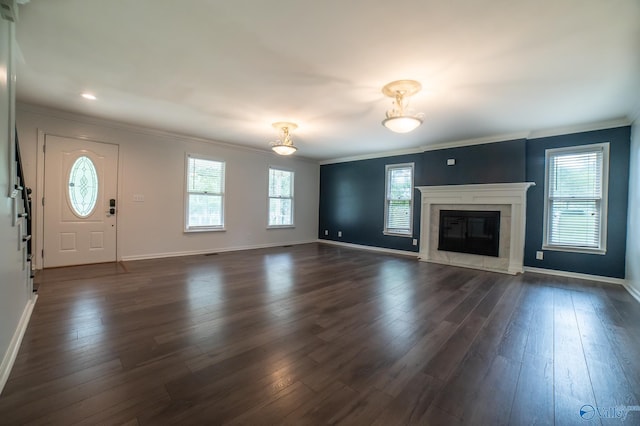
<point>406,87</point>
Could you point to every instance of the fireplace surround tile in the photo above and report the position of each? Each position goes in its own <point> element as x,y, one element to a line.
<point>508,198</point>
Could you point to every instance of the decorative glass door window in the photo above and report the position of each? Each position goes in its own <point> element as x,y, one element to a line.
<point>83,186</point>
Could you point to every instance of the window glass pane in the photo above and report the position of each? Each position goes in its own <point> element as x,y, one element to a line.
<point>205,176</point>
<point>205,210</point>
<point>280,211</point>
<point>83,186</point>
<point>280,183</point>
<point>576,175</point>
<point>575,223</point>
<point>400,185</point>
<point>399,215</point>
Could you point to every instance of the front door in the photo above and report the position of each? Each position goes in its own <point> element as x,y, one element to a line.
<point>80,193</point>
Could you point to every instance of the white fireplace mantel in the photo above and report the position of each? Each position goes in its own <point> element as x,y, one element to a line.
<point>512,194</point>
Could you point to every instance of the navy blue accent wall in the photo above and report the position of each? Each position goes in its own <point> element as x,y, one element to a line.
<point>612,264</point>
<point>352,201</point>
<point>352,194</point>
<point>499,162</point>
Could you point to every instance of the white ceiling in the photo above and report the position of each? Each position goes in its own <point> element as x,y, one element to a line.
<point>225,70</point>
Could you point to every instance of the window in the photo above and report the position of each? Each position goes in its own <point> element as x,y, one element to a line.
<point>576,198</point>
<point>398,208</point>
<point>280,198</point>
<point>83,186</point>
<point>204,195</point>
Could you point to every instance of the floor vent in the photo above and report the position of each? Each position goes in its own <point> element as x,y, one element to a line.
<point>211,254</point>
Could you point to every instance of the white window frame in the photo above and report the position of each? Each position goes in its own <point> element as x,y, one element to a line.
<point>292,198</point>
<point>604,147</point>
<point>395,232</point>
<point>188,228</point>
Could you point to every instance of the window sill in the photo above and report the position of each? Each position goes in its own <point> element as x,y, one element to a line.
<point>398,234</point>
<point>281,227</point>
<point>570,249</point>
<point>188,231</point>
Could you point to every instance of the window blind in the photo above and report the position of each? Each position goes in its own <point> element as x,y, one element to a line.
<point>575,194</point>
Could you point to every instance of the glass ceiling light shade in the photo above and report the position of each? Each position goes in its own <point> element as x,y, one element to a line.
<point>400,118</point>
<point>284,145</point>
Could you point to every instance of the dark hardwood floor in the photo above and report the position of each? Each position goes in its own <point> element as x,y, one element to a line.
<point>316,334</point>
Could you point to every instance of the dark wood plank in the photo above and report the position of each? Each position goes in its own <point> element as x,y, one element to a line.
<point>316,334</point>
<point>572,383</point>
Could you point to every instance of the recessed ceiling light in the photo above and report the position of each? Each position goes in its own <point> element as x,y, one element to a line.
<point>89,96</point>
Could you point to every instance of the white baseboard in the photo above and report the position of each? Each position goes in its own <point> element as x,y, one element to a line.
<point>370,248</point>
<point>567,274</point>
<point>211,250</point>
<point>14,345</point>
<point>632,291</point>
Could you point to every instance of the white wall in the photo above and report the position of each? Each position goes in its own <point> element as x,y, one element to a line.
<point>15,286</point>
<point>633,223</point>
<point>152,164</point>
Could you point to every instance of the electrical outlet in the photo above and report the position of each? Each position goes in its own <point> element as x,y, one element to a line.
<point>415,241</point>
<point>451,162</point>
<point>339,233</point>
<point>540,255</point>
<point>326,232</point>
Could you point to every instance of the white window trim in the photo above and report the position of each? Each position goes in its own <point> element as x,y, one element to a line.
<point>186,195</point>
<point>386,231</point>
<point>604,203</point>
<point>293,203</point>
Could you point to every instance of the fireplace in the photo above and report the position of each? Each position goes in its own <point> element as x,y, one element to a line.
<point>470,231</point>
<point>509,199</point>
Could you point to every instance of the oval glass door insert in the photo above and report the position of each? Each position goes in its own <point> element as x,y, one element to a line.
<point>83,186</point>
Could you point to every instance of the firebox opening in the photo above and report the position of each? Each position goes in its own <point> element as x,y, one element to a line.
<point>469,231</point>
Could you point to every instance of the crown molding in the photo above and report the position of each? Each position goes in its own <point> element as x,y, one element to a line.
<point>635,116</point>
<point>147,131</point>
<point>580,128</point>
<point>476,141</point>
<point>372,156</point>
<point>534,134</point>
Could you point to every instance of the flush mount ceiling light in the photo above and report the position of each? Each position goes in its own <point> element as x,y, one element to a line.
<point>400,118</point>
<point>284,145</point>
<point>89,96</point>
